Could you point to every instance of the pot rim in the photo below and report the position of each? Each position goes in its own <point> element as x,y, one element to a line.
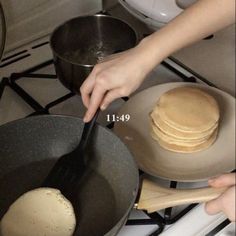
<point>85,16</point>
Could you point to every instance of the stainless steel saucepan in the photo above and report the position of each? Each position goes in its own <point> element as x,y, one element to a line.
<point>79,43</point>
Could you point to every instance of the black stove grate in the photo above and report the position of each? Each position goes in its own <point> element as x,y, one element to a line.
<point>39,109</point>
<point>154,218</point>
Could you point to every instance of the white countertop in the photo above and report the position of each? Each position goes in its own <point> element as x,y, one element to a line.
<point>213,59</point>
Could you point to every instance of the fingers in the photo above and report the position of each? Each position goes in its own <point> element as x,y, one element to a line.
<point>224,203</point>
<point>87,87</point>
<point>95,101</point>
<point>213,207</point>
<point>110,97</point>
<point>223,180</point>
<point>108,81</point>
<point>226,200</point>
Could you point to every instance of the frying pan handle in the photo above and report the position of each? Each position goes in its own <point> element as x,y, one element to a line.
<point>154,197</point>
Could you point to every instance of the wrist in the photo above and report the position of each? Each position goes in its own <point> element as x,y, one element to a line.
<point>152,51</point>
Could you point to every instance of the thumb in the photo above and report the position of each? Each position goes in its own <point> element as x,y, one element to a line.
<point>214,206</point>
<point>223,180</point>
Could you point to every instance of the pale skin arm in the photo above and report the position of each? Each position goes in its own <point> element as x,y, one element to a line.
<point>121,74</point>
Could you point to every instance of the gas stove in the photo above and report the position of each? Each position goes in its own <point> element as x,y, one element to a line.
<point>29,86</point>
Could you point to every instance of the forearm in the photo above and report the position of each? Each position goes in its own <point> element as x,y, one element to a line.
<point>200,20</point>
<point>122,73</point>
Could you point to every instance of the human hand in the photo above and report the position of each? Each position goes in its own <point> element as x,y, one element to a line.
<point>121,74</point>
<point>117,75</point>
<point>226,201</point>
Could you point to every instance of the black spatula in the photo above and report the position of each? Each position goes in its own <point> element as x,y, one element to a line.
<point>70,168</point>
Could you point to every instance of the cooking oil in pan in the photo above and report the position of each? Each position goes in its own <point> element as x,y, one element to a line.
<point>96,206</point>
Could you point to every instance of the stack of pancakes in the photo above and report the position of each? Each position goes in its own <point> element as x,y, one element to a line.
<point>185,119</point>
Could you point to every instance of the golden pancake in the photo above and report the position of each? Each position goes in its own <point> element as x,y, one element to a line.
<point>188,109</point>
<point>185,119</point>
<point>180,142</point>
<point>164,127</point>
<point>43,211</point>
<point>185,149</point>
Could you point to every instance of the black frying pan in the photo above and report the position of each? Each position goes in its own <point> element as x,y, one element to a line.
<point>29,148</point>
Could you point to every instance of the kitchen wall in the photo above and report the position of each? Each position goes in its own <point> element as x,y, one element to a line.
<point>108,4</point>
<point>28,20</point>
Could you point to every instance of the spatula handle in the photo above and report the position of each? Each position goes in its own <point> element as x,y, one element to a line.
<point>154,197</point>
<point>88,127</point>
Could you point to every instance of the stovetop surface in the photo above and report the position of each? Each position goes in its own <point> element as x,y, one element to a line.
<point>40,92</point>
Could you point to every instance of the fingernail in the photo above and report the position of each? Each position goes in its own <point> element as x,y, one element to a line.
<point>211,180</point>
<point>85,119</point>
<point>103,107</point>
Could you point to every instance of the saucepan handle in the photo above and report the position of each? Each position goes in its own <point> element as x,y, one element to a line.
<point>154,197</point>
